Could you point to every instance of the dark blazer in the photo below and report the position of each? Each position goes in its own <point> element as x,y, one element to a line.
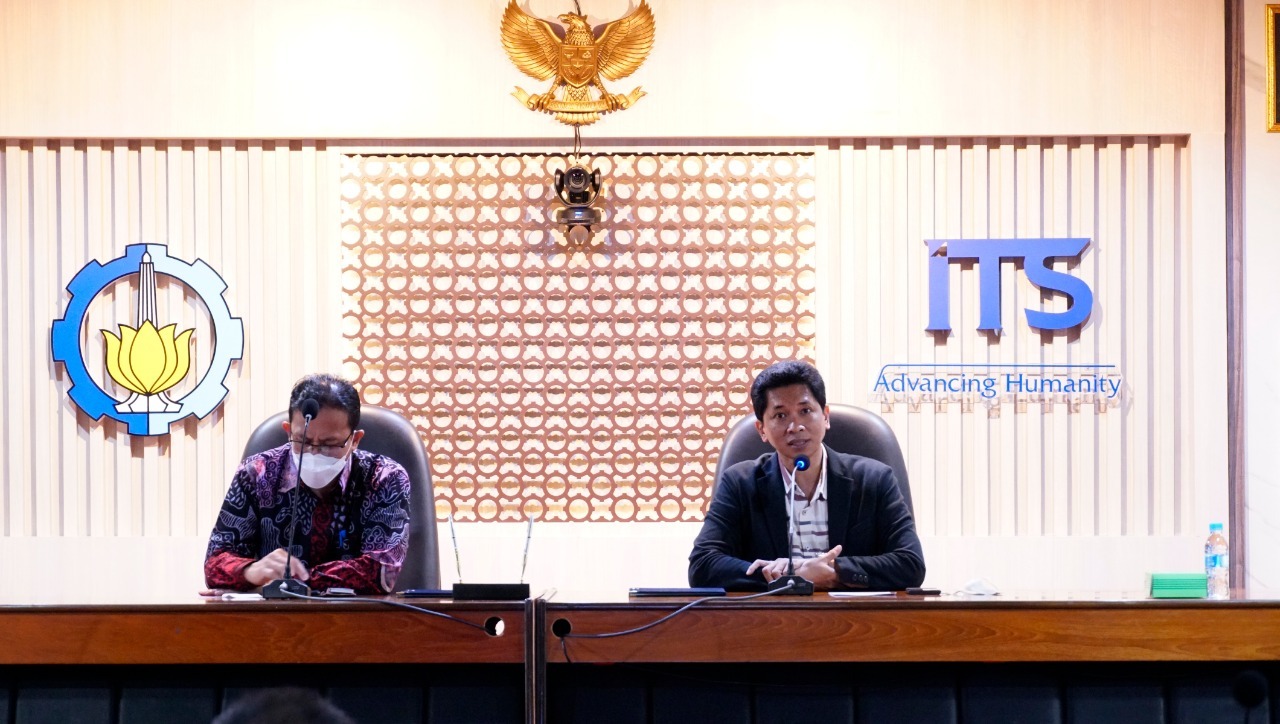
<point>868,517</point>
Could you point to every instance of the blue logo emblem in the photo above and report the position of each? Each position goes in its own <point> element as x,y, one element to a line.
<point>148,359</point>
<point>989,255</point>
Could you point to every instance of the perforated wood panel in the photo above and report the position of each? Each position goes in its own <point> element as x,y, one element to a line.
<point>574,382</point>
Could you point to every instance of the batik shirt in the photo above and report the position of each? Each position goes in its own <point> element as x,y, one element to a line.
<point>354,534</point>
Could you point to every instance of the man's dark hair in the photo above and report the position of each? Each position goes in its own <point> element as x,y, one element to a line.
<point>283,706</point>
<point>328,391</point>
<point>785,374</point>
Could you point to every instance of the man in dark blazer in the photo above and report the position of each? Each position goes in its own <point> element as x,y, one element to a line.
<point>853,528</point>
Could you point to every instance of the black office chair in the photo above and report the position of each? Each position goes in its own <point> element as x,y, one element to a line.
<point>854,431</point>
<point>387,433</point>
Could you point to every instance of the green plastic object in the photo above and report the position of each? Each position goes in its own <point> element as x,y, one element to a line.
<point>1179,585</point>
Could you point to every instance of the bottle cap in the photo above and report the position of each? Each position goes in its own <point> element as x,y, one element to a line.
<point>1215,527</point>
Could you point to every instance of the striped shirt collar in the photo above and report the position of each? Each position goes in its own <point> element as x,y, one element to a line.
<point>809,533</point>
<point>789,482</point>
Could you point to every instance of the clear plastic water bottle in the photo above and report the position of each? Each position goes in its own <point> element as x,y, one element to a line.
<point>1216,563</point>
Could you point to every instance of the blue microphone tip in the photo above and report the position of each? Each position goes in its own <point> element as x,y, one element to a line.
<point>802,462</point>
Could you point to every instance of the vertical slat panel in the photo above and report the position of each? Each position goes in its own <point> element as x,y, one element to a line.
<point>228,244</point>
<point>950,443</point>
<point>1006,462</point>
<point>1083,418</point>
<point>328,169</point>
<point>879,233</point>
<point>121,194</point>
<point>277,214</point>
<point>44,225</point>
<point>152,219</point>
<point>1188,522</point>
<point>1054,347</point>
<point>197,184</point>
<point>17,379</point>
<point>305,235</point>
<point>835,229</point>
<point>1162,316</point>
<point>1031,427</point>
<point>977,433</point>
<point>171,308</point>
<point>180,204</point>
<point>73,488</point>
<point>898,301</point>
<point>1011,349</point>
<point>1140,338</point>
<point>1113,253</point>
<point>903,420</point>
<point>926,449</point>
<point>1071,468</point>
<point>857,257</point>
<point>275,227</point>
<point>99,455</point>
<point>264,216</point>
<point>1043,417</point>
<point>67,203</point>
<point>275,237</point>
<point>138,228</point>
<point>7,150</point>
<point>258,268</point>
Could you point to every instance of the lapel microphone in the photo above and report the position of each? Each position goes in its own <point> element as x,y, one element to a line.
<point>791,584</point>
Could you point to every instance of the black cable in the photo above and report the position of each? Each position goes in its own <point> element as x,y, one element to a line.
<point>564,649</point>
<point>673,614</point>
<point>389,602</point>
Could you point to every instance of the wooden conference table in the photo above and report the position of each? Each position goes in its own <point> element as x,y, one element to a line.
<point>901,628</point>
<point>876,656</point>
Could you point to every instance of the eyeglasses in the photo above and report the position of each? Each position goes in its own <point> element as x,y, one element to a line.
<point>332,450</point>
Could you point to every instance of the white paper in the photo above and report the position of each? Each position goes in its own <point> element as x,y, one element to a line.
<point>860,594</point>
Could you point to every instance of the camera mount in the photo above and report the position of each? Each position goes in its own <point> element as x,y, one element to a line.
<point>578,188</point>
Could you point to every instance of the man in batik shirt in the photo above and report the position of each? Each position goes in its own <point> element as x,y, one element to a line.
<point>353,506</point>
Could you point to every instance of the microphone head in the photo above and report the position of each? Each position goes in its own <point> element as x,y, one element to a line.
<point>802,462</point>
<point>1250,688</point>
<point>310,408</point>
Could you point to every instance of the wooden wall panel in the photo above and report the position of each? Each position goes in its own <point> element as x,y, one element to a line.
<point>243,207</point>
<point>1022,467</point>
<point>267,216</point>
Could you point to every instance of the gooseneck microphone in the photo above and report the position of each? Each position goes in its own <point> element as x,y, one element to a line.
<point>490,591</point>
<point>791,584</point>
<point>290,587</point>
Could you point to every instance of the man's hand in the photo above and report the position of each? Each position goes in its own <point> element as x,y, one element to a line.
<point>772,570</point>
<point>821,571</point>
<point>271,566</point>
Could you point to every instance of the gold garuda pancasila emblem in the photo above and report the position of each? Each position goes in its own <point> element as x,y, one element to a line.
<point>578,61</point>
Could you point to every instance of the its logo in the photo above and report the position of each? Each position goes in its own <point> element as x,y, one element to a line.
<point>149,359</point>
<point>989,255</point>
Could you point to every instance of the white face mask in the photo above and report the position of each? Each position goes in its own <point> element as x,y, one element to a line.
<point>319,470</point>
